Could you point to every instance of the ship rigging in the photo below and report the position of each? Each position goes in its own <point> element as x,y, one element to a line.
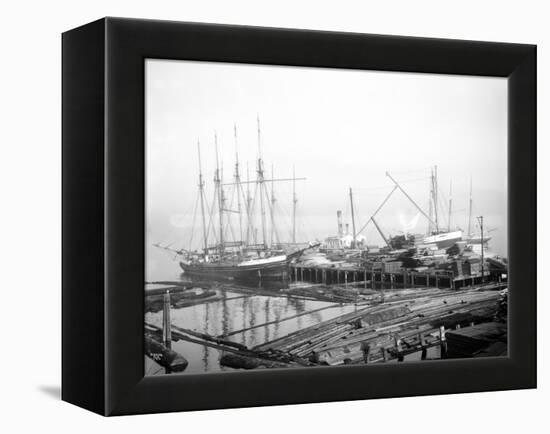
<point>238,252</point>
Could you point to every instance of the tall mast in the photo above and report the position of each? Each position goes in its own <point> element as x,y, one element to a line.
<point>354,243</point>
<point>238,184</point>
<point>450,205</point>
<point>218,181</point>
<point>201,194</point>
<point>480,219</point>
<point>248,203</point>
<point>294,202</point>
<point>430,203</point>
<point>272,208</point>
<point>260,181</point>
<point>436,214</point>
<point>470,210</point>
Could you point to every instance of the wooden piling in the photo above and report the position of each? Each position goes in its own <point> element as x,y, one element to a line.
<point>443,342</point>
<point>424,348</point>
<point>365,349</point>
<point>424,354</point>
<point>166,323</point>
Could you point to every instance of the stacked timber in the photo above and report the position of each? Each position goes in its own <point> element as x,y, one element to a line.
<point>391,266</point>
<point>408,321</point>
<point>318,292</point>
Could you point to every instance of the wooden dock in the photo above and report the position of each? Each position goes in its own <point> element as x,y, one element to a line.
<point>355,275</point>
<point>408,321</point>
<point>386,325</point>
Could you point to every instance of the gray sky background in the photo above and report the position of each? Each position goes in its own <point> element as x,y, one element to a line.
<point>339,128</point>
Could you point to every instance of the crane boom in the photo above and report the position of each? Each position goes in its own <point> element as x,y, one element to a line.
<point>411,199</point>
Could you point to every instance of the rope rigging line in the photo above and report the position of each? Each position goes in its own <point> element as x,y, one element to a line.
<point>210,221</point>
<point>272,214</point>
<point>190,245</point>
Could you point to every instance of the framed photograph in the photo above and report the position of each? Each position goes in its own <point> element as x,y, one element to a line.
<point>257,216</point>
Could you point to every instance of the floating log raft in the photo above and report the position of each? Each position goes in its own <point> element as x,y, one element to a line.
<point>242,361</point>
<point>320,292</point>
<point>164,356</point>
<point>408,321</point>
<point>243,357</point>
<point>179,297</point>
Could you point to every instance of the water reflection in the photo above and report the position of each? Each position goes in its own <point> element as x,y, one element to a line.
<point>234,311</point>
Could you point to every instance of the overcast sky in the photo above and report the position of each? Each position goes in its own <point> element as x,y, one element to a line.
<point>340,129</point>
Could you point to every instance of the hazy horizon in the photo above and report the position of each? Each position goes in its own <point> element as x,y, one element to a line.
<point>339,129</point>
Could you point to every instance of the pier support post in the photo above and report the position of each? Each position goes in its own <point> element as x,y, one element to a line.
<point>391,281</point>
<point>400,356</point>
<point>427,280</point>
<point>295,274</point>
<point>442,342</point>
<point>346,279</point>
<point>166,323</point>
<point>436,281</point>
<point>424,348</point>
<point>412,280</point>
<point>302,274</point>
<point>365,349</point>
<point>365,277</point>
<point>324,276</point>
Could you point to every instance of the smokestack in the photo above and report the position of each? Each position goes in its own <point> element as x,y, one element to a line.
<point>340,227</point>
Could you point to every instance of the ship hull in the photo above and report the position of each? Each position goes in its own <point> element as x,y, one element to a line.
<point>444,240</point>
<point>246,274</point>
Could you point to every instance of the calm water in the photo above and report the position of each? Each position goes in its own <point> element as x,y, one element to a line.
<point>234,312</point>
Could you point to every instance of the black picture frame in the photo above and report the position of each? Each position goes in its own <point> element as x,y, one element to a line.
<point>103,214</point>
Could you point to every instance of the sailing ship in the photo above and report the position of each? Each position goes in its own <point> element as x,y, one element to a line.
<point>437,234</point>
<point>238,254</point>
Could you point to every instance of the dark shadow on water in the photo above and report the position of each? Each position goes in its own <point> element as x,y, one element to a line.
<point>52,391</point>
<point>213,283</point>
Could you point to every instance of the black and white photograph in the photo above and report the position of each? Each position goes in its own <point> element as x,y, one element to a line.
<point>299,217</point>
<point>311,217</point>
